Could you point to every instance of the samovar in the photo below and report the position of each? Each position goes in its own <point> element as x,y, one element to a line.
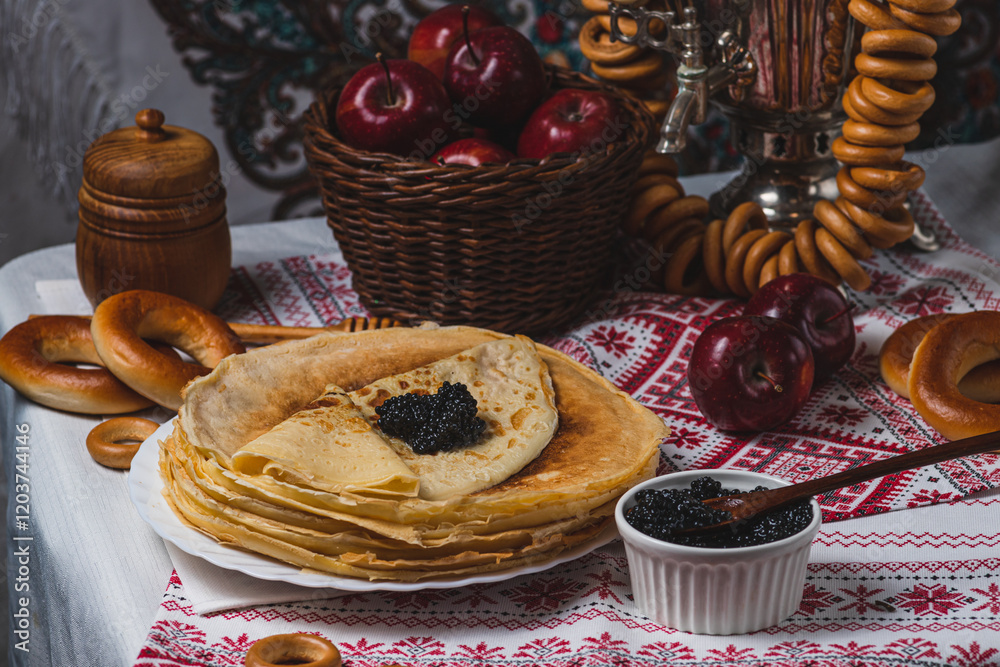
<point>776,69</point>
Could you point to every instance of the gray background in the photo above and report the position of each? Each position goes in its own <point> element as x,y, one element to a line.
<point>124,38</point>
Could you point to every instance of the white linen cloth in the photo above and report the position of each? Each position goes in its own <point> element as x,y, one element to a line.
<point>97,572</point>
<point>209,587</point>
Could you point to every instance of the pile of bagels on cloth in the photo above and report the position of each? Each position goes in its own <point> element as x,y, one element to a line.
<point>285,449</point>
<point>946,365</point>
<point>128,349</point>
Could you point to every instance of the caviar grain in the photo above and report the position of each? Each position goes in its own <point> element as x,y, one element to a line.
<point>660,513</point>
<point>431,423</point>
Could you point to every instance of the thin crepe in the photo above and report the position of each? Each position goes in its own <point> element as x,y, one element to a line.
<point>605,443</point>
<point>329,445</point>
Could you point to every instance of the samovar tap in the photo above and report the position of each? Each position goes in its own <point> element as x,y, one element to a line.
<point>696,81</point>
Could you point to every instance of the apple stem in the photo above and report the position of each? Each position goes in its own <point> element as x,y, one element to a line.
<point>851,306</point>
<point>777,387</point>
<point>465,31</point>
<point>389,94</point>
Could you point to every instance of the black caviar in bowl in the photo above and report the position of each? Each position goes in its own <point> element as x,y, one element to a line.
<point>660,513</point>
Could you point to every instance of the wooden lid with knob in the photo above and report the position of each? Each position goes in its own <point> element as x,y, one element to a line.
<point>153,214</point>
<point>151,160</point>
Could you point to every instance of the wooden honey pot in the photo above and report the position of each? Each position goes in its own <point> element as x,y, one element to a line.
<point>153,214</point>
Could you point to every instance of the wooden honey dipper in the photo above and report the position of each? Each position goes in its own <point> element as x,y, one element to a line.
<point>271,333</point>
<point>267,333</point>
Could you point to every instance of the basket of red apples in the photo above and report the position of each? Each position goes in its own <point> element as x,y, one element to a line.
<point>471,183</point>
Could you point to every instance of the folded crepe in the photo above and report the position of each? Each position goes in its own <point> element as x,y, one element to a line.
<point>514,395</point>
<point>330,446</point>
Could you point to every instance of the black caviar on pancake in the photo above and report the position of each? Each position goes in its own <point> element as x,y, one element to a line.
<point>660,513</point>
<point>430,423</point>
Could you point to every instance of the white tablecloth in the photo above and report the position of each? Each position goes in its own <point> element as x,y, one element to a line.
<point>96,572</point>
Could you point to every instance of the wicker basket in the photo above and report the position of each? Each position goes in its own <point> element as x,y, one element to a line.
<point>520,247</point>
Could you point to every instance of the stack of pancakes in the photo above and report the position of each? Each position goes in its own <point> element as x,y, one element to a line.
<point>278,451</point>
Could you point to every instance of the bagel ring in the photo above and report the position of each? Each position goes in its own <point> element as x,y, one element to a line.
<point>866,198</point>
<point>769,271</point>
<point>631,70</point>
<point>300,649</point>
<point>105,441</point>
<point>870,134</point>
<point>897,101</point>
<point>713,258</point>
<point>736,258</point>
<point>904,69</point>
<point>873,15</point>
<point>939,24</point>
<point>945,355</point>
<point>675,212</point>
<point>671,237</point>
<point>925,6</point>
<point>884,227</point>
<point>748,214</point>
<point>121,322</point>
<point>644,203</point>
<point>856,155</point>
<point>838,224</point>
<point>893,41</point>
<point>810,256</point>
<point>653,179</point>
<point>757,256</point>
<point>30,356</point>
<point>842,261</point>
<point>896,354</point>
<point>656,163</point>
<point>596,44</point>
<point>903,177</point>
<point>788,259</point>
<point>863,110</point>
<point>682,276</point>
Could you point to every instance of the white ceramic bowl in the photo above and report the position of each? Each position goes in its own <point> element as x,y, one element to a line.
<point>715,591</point>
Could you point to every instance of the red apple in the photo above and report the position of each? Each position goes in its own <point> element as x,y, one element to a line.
<point>394,106</point>
<point>817,309</point>
<point>750,373</point>
<point>570,121</point>
<point>495,77</point>
<point>435,34</point>
<point>472,152</point>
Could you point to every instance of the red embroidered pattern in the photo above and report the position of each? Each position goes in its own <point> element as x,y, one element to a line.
<point>937,613</point>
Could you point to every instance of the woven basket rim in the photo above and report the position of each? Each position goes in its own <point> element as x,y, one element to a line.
<point>318,124</point>
<point>409,229</point>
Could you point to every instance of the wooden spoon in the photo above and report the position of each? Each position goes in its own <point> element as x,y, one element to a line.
<point>742,506</point>
<point>268,333</point>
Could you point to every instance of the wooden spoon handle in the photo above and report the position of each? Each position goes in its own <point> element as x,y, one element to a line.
<point>978,444</point>
<point>269,333</point>
<point>266,333</point>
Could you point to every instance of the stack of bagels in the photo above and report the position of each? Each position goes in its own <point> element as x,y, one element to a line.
<point>947,366</point>
<point>127,373</point>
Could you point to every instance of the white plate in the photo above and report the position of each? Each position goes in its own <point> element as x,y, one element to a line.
<point>145,487</point>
